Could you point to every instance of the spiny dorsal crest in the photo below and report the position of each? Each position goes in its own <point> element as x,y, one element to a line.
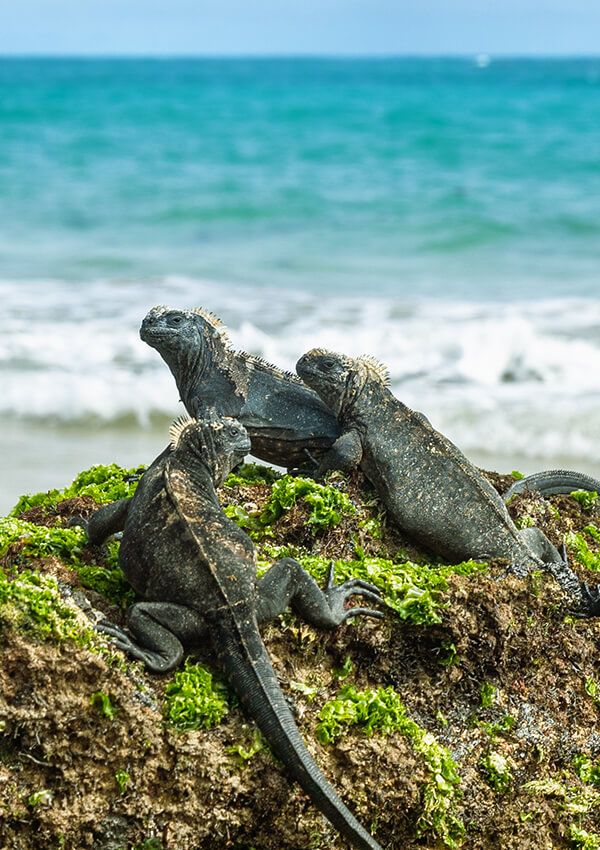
<point>178,427</point>
<point>255,362</point>
<point>213,320</point>
<point>375,368</point>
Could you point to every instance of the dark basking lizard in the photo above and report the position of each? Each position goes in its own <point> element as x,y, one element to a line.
<point>430,489</point>
<point>196,571</point>
<point>286,421</point>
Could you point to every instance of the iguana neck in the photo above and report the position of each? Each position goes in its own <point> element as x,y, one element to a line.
<point>204,476</point>
<point>210,378</point>
<point>358,409</point>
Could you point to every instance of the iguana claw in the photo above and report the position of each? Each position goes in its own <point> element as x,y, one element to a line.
<point>337,594</point>
<point>590,602</point>
<point>120,637</point>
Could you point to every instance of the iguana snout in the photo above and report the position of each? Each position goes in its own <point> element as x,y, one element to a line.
<point>162,326</point>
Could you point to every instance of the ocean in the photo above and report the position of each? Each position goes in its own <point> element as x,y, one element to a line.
<point>441,214</point>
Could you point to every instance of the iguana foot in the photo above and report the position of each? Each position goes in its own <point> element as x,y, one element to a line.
<point>120,637</point>
<point>157,661</point>
<point>337,594</point>
<point>80,521</point>
<point>590,602</point>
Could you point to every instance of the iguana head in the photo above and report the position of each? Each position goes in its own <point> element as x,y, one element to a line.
<point>175,332</point>
<point>339,379</point>
<point>219,443</point>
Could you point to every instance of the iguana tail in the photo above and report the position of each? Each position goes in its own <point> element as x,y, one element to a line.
<point>248,668</point>
<point>552,482</point>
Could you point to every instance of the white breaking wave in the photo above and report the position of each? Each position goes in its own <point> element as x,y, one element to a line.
<point>496,377</point>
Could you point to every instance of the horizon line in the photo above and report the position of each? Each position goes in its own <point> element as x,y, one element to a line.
<point>468,55</point>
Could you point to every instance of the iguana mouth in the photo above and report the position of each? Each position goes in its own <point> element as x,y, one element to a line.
<point>152,335</point>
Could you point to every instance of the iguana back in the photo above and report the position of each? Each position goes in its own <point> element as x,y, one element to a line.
<point>430,489</point>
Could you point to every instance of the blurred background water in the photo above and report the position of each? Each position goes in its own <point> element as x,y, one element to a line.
<point>443,215</point>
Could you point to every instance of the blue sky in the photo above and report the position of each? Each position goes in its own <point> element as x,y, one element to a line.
<point>251,27</point>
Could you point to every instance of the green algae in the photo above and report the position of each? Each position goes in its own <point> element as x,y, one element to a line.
<point>31,602</point>
<point>414,591</point>
<point>21,540</point>
<point>581,839</point>
<point>488,694</point>
<point>252,473</point>
<point>573,799</point>
<point>382,711</point>
<point>38,541</point>
<point>327,505</point>
<point>102,483</point>
<point>593,690</point>
<point>586,769</point>
<point>586,498</point>
<point>104,704</point>
<point>497,771</point>
<point>193,700</point>
<point>499,727</point>
<point>244,754</point>
<point>577,542</point>
<point>123,779</point>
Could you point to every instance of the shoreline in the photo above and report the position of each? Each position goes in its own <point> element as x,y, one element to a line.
<point>38,457</point>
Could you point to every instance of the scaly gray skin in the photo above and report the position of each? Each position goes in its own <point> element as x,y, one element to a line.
<point>287,422</point>
<point>430,489</point>
<point>196,571</point>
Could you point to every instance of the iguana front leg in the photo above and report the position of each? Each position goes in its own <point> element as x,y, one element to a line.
<point>288,583</point>
<point>106,521</point>
<point>345,454</point>
<point>156,632</point>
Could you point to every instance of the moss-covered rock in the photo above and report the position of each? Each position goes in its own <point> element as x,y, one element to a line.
<point>468,717</point>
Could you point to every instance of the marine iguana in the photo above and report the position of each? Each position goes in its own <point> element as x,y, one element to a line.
<point>286,421</point>
<point>430,489</point>
<point>196,570</point>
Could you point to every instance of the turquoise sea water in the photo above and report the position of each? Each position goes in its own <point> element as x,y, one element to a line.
<point>443,214</point>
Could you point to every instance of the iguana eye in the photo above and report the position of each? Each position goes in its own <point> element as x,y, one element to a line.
<point>175,320</point>
<point>327,364</point>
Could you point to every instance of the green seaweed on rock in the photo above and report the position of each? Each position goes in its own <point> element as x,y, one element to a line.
<point>327,505</point>
<point>31,602</point>
<point>577,542</point>
<point>103,483</point>
<point>193,700</point>
<point>382,711</point>
<point>21,540</point>
<point>414,591</point>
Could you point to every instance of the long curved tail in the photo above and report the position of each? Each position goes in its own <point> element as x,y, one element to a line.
<point>248,668</point>
<point>551,482</point>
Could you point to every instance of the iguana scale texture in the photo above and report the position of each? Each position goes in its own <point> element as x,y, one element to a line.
<point>430,489</point>
<point>196,571</point>
<point>552,482</point>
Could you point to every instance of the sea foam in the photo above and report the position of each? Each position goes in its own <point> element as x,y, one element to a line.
<point>493,376</point>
